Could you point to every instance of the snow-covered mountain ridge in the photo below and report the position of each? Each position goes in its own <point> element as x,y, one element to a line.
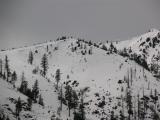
<point>146,47</point>
<point>103,85</point>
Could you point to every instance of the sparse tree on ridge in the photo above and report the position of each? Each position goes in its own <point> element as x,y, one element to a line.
<point>44,64</point>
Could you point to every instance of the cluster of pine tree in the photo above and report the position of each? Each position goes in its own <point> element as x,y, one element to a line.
<point>111,49</point>
<point>33,93</point>
<point>33,96</point>
<point>44,63</point>
<point>82,46</point>
<point>74,100</point>
<point>136,107</point>
<point>70,97</point>
<point>141,60</point>
<point>5,72</point>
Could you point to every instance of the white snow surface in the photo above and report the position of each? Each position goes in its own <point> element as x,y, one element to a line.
<point>99,71</point>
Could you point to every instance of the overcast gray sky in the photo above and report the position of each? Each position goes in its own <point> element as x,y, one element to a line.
<point>30,21</point>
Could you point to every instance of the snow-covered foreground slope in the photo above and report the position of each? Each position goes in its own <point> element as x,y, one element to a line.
<point>108,77</point>
<point>8,98</point>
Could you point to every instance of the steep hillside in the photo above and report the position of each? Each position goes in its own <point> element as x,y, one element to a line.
<point>9,97</point>
<point>144,48</point>
<point>103,86</point>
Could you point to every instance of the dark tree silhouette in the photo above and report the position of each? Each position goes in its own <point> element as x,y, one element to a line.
<point>58,77</point>
<point>23,87</point>
<point>44,64</point>
<point>13,77</point>
<point>82,104</point>
<point>30,57</point>
<point>75,99</point>
<point>18,107</point>
<point>68,96</point>
<point>41,100</point>
<point>1,66</point>
<point>112,116</point>
<point>35,91</point>
<point>29,103</point>
<point>7,67</point>
<point>4,75</point>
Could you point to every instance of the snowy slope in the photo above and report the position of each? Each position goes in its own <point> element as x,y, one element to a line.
<point>100,72</point>
<point>146,46</point>
<point>8,97</point>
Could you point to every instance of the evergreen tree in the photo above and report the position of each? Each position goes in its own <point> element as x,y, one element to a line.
<point>77,116</point>
<point>155,98</point>
<point>61,96</point>
<point>18,107</point>
<point>29,93</point>
<point>121,115</point>
<point>90,43</point>
<point>111,47</point>
<point>82,104</point>
<point>13,78</point>
<point>23,87</point>
<point>138,111</point>
<point>47,48</point>
<point>90,51</point>
<point>112,116</point>
<point>104,47</point>
<point>7,67</point>
<point>35,91</point>
<point>1,66</point>
<point>68,96</point>
<point>29,103</point>
<point>44,64</point>
<point>41,100</point>
<point>30,58</point>
<point>22,77</point>
<point>4,75</point>
<point>129,104</point>
<point>71,97</point>
<point>58,77</point>
<point>75,100</point>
